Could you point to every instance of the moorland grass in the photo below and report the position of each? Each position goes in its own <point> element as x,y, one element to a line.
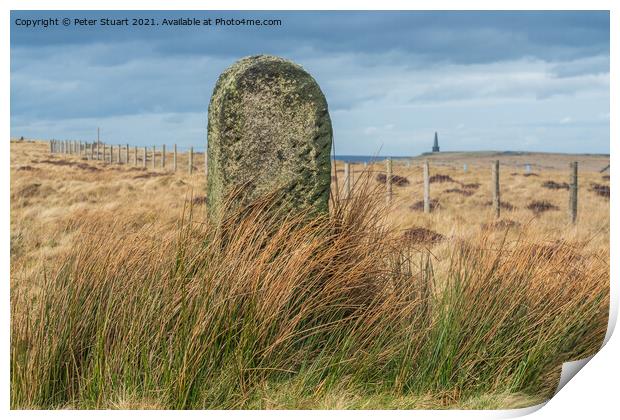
<point>262,306</point>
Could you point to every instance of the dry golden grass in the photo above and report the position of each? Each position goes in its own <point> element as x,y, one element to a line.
<point>54,201</point>
<point>339,314</point>
<point>460,217</point>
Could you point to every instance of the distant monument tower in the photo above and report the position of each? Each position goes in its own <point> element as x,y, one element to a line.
<point>436,144</point>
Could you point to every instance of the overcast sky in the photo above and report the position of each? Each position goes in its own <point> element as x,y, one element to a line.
<point>483,80</point>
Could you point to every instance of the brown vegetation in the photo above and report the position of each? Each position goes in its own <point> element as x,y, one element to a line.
<point>602,190</point>
<point>541,206</point>
<point>419,205</point>
<point>504,205</point>
<point>399,181</point>
<point>552,185</point>
<point>420,235</point>
<point>464,192</point>
<point>441,178</point>
<point>123,295</point>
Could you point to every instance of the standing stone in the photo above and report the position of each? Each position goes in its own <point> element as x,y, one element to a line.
<point>269,130</point>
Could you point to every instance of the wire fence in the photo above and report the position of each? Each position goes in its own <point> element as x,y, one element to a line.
<point>172,158</point>
<point>163,157</point>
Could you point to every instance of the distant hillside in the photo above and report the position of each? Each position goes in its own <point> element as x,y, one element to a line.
<point>537,160</point>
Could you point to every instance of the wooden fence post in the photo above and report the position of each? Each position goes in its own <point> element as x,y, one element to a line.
<point>191,160</point>
<point>163,156</point>
<point>347,180</point>
<point>174,158</point>
<point>573,191</point>
<point>495,180</point>
<point>135,156</point>
<point>388,180</point>
<point>119,154</point>
<point>51,146</point>
<point>144,158</point>
<point>427,188</point>
<point>154,150</point>
<point>126,153</point>
<point>98,157</point>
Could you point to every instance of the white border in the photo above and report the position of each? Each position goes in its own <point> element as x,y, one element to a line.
<point>592,393</point>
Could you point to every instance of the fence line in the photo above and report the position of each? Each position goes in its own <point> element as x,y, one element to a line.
<point>495,183</point>
<point>191,160</point>
<point>496,203</point>
<point>92,151</point>
<point>174,163</point>
<point>427,188</point>
<point>388,180</point>
<point>120,154</point>
<point>347,180</point>
<point>573,191</point>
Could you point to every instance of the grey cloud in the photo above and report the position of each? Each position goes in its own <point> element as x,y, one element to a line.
<point>598,64</point>
<point>417,71</point>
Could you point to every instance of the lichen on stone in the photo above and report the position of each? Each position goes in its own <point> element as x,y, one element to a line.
<point>269,130</point>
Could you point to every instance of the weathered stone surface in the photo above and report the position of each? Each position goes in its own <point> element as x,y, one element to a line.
<point>269,129</point>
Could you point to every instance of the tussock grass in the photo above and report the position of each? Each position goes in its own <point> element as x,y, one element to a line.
<point>210,314</point>
<point>121,299</point>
